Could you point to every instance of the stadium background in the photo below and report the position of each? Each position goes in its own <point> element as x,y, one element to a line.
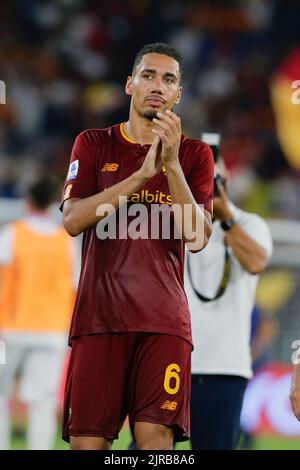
<point>64,64</point>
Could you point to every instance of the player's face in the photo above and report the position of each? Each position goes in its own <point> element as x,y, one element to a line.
<point>155,85</point>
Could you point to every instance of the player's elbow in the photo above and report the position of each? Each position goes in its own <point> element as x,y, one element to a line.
<point>71,226</point>
<point>71,221</point>
<point>197,239</point>
<point>199,243</point>
<point>207,231</point>
<point>195,248</point>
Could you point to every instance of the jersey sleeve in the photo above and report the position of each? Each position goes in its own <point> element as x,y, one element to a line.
<point>81,180</point>
<point>201,178</point>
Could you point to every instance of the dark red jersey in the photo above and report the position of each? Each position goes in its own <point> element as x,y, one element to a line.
<point>131,284</point>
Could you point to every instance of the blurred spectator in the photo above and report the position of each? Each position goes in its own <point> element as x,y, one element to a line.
<point>38,276</point>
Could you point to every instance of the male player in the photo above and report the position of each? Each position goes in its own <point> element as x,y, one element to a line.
<point>130,333</point>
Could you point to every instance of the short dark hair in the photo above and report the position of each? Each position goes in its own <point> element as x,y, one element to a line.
<point>43,191</point>
<point>158,48</point>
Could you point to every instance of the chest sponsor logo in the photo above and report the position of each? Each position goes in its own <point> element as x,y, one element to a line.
<point>73,170</point>
<point>110,167</point>
<point>148,197</point>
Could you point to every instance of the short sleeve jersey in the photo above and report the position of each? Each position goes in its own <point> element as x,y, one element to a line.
<point>130,284</point>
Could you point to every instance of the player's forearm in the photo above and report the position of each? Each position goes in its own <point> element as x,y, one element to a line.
<point>250,254</point>
<point>81,214</point>
<point>193,222</point>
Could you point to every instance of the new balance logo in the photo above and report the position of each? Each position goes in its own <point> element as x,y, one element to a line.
<point>110,167</point>
<point>169,405</point>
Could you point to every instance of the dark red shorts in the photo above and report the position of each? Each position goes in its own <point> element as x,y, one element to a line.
<point>110,376</point>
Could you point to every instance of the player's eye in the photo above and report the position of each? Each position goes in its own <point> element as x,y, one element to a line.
<point>147,76</point>
<point>169,80</point>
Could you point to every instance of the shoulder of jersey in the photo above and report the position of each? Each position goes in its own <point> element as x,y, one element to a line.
<point>96,134</point>
<point>187,143</point>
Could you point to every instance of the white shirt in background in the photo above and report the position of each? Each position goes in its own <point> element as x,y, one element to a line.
<point>221,328</point>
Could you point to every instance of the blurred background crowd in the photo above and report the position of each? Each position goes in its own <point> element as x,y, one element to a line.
<point>65,62</point>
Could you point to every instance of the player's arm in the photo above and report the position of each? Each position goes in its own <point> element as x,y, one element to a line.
<point>193,222</point>
<point>251,255</point>
<point>81,214</point>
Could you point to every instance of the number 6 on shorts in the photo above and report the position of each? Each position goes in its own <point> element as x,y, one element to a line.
<point>172,373</point>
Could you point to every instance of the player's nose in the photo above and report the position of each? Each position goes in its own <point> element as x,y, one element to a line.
<point>157,85</point>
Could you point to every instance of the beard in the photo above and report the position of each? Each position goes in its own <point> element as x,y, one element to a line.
<point>150,114</point>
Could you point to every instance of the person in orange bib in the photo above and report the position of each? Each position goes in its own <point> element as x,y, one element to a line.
<point>38,276</point>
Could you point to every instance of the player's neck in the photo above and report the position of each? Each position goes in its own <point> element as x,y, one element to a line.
<point>139,130</point>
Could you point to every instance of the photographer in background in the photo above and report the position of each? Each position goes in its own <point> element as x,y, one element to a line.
<point>220,284</point>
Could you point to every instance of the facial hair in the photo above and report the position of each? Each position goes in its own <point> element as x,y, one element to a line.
<point>150,114</point>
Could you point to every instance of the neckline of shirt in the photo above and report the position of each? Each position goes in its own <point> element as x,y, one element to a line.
<point>129,141</point>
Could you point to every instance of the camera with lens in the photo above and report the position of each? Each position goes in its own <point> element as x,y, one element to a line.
<point>213,140</point>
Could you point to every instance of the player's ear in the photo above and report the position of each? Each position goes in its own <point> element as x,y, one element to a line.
<point>178,97</point>
<point>128,86</point>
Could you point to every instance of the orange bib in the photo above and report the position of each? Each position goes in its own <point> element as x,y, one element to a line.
<point>36,292</point>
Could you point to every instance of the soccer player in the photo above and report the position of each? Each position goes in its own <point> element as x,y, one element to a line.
<point>221,285</point>
<point>38,275</point>
<point>130,332</point>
